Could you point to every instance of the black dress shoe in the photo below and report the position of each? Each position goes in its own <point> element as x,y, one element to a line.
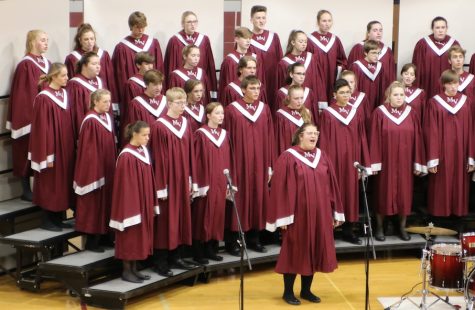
<point>291,300</point>
<point>404,236</point>
<point>181,264</point>
<point>50,226</point>
<point>310,297</point>
<point>66,225</point>
<point>379,237</point>
<point>214,257</point>
<point>201,260</point>
<point>352,239</point>
<point>142,276</point>
<point>234,250</point>
<point>130,277</point>
<point>164,272</point>
<point>258,248</point>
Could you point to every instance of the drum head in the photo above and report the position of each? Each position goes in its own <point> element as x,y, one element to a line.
<point>448,249</point>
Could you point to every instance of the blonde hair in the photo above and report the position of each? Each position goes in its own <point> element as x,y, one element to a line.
<point>211,106</point>
<point>304,113</point>
<point>31,36</point>
<point>96,96</point>
<point>391,87</point>
<point>456,49</point>
<point>137,19</point>
<point>54,70</point>
<point>175,93</point>
<point>186,14</point>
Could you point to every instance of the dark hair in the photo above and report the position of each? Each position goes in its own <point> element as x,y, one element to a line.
<point>132,128</point>
<point>249,80</point>
<point>408,66</point>
<point>82,29</point>
<point>321,12</point>
<point>137,19</point>
<point>54,70</point>
<point>299,131</point>
<point>153,76</point>
<point>187,50</point>
<point>258,8</point>
<point>449,76</point>
<point>370,45</point>
<point>291,69</point>
<point>339,84</point>
<point>242,32</point>
<point>438,19</point>
<point>243,63</point>
<point>85,59</point>
<point>292,37</point>
<point>369,26</point>
<point>142,57</point>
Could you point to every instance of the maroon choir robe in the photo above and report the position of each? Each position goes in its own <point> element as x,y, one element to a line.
<point>312,74</point>
<point>233,92</point>
<point>251,132</point>
<point>471,68</point>
<point>331,59</point>
<point>106,73</point>
<point>79,92</point>
<point>396,150</point>
<point>448,135</point>
<point>416,98</point>
<point>371,81</point>
<point>135,86</point>
<point>124,56</point>
<point>178,78</point>
<point>386,58</point>
<point>212,157</point>
<point>195,115</point>
<point>431,58</point>
<point>174,57</point>
<point>173,155</point>
<point>134,204</point>
<point>267,45</point>
<point>467,87</point>
<point>94,173</point>
<point>343,139</point>
<point>145,108</point>
<point>310,102</point>
<point>286,122</point>
<point>23,91</point>
<point>52,142</point>
<point>229,69</point>
<point>305,197</point>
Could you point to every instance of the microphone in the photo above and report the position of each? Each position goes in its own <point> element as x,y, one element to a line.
<point>228,177</point>
<point>358,166</point>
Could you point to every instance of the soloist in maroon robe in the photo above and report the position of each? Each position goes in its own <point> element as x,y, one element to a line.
<point>52,142</point>
<point>396,150</point>
<point>173,155</point>
<point>343,139</point>
<point>212,157</point>
<point>267,45</point>
<point>448,135</point>
<point>174,57</point>
<point>195,115</point>
<point>430,57</point>
<point>286,122</point>
<point>178,78</point>
<point>106,74</point>
<point>331,59</point>
<point>251,133</point>
<point>23,91</point>
<point>233,92</point>
<point>94,173</point>
<point>416,98</point>
<point>123,57</point>
<point>134,204</point>
<point>310,102</point>
<point>305,197</point>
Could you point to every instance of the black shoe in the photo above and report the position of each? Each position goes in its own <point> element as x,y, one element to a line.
<point>310,297</point>
<point>27,197</point>
<point>201,261</point>
<point>258,248</point>
<point>214,257</point>
<point>234,250</point>
<point>291,300</point>
<point>66,225</point>
<point>352,239</point>
<point>379,236</point>
<point>404,236</point>
<point>50,226</point>
<point>181,264</point>
<point>130,277</point>
<point>164,272</point>
<point>141,276</point>
<point>95,249</point>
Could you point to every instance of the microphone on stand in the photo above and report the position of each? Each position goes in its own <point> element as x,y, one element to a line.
<point>228,178</point>
<point>359,166</point>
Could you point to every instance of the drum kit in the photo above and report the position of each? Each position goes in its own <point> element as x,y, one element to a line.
<point>450,267</point>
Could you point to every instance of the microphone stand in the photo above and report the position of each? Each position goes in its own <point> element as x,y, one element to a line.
<point>368,230</point>
<point>242,244</point>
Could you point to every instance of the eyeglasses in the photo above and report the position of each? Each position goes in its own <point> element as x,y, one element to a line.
<point>374,53</point>
<point>191,22</point>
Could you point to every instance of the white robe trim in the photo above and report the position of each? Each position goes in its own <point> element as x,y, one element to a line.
<point>155,112</point>
<point>197,42</point>
<point>198,117</point>
<point>76,55</point>
<point>290,117</point>
<point>202,191</point>
<point>308,59</point>
<point>145,157</point>
<point>162,193</point>
<point>87,85</point>
<point>279,223</point>
<point>107,124</point>
<point>439,51</point>
<point>131,221</point>
<point>432,163</point>
<point>138,81</point>
<point>376,167</point>
<point>41,165</point>
<point>137,49</point>
<point>448,107</point>
<point>236,59</point>
<point>320,45</point>
<point>263,47</point>
<point>313,164</point>
<point>345,120</point>
<point>185,77</point>
<point>368,73</point>
<point>63,104</point>
<point>177,133</point>
<point>218,142</point>
<point>420,168</point>
<point>45,69</point>
<point>465,83</point>
<point>338,216</point>
<point>358,100</point>
<point>251,117</point>
<point>396,120</point>
<point>20,132</point>
<point>237,88</point>
<point>83,190</point>
<point>414,95</point>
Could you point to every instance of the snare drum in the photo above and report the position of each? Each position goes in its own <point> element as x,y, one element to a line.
<point>468,244</point>
<point>446,267</point>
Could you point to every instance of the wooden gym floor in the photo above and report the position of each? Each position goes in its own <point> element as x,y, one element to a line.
<point>342,289</point>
